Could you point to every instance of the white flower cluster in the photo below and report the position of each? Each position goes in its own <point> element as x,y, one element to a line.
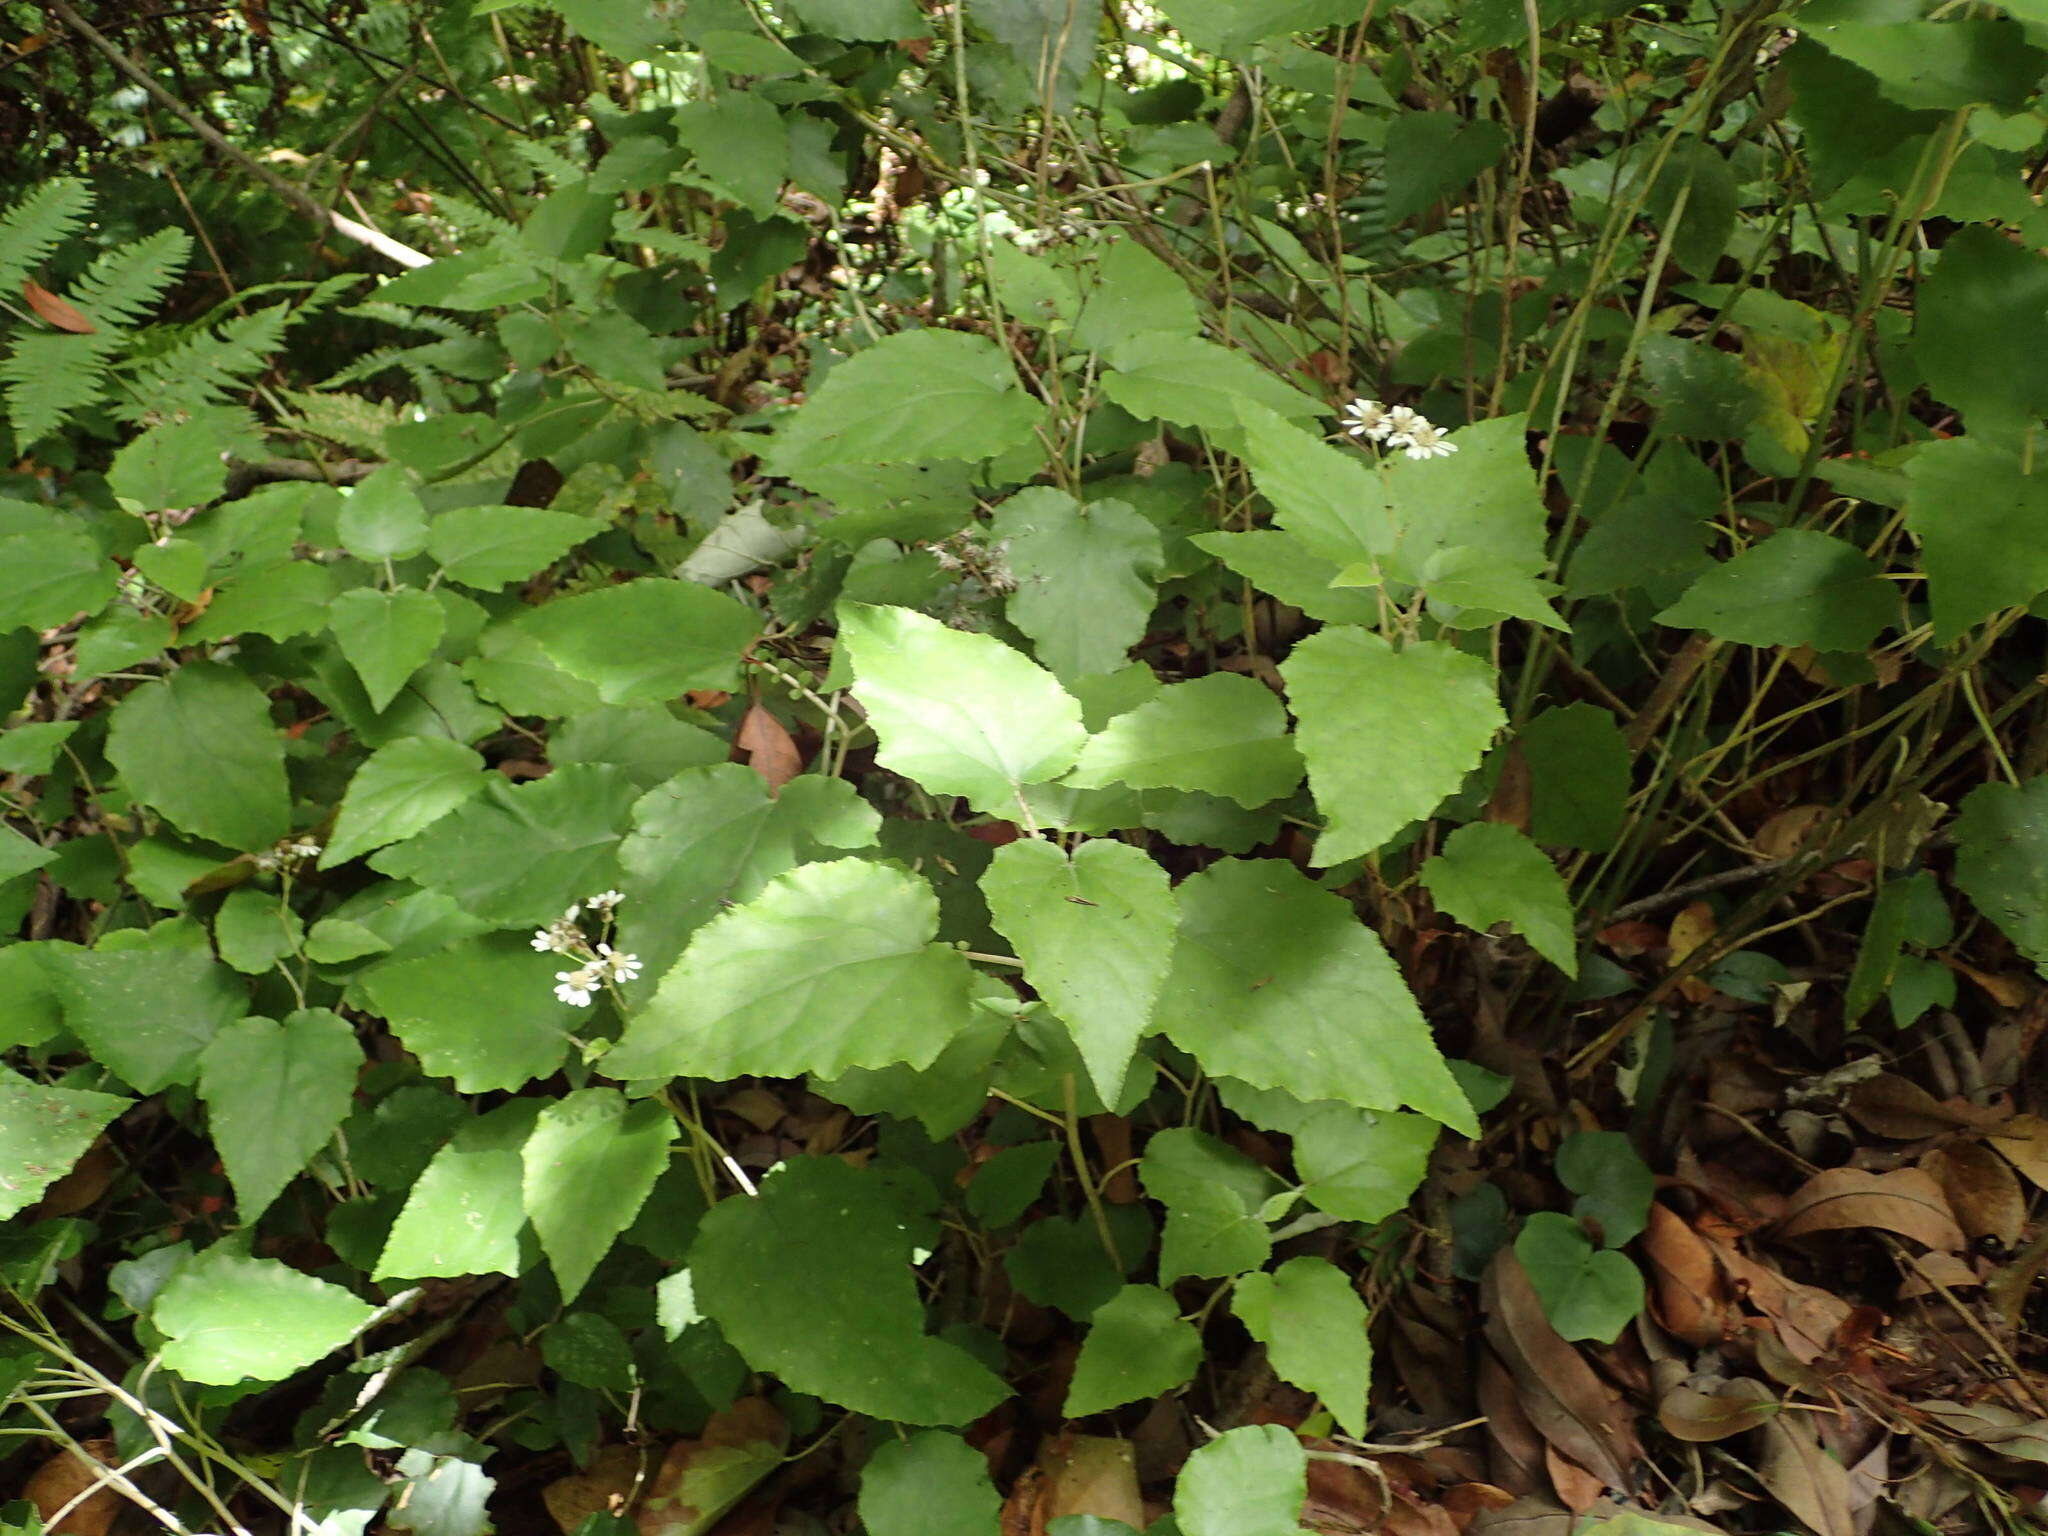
<point>286,856</point>
<point>601,964</point>
<point>1400,427</point>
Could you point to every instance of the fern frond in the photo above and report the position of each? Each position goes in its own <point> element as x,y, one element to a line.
<point>36,225</point>
<point>48,375</point>
<point>348,421</point>
<point>123,284</point>
<point>549,161</point>
<point>470,221</point>
<point>368,366</point>
<point>405,317</point>
<point>204,367</point>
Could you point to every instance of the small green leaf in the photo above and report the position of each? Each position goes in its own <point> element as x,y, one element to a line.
<point>228,1318</point>
<point>1084,577</point>
<point>464,1214</point>
<point>1362,1164</point>
<point>1135,294</point>
<point>175,465</point>
<point>590,1162</point>
<point>1223,734</point>
<point>931,1484</point>
<point>274,1094</point>
<point>18,855</point>
<point>962,714</point>
<point>811,1279</point>
<point>200,747</point>
<point>483,1012</point>
<point>1213,1197</point>
<point>254,929</point>
<point>489,547</point>
<point>1798,587</point>
<point>1196,383</point>
<point>1095,933</point>
<point>53,575</point>
<point>1246,1482</point>
<point>1587,1292</point>
<point>146,1013</point>
<point>1312,1323</point>
<point>1138,1346</point>
<point>1981,517</point>
<point>404,787</point>
<point>43,1131</point>
<point>382,519</point>
<point>832,966</point>
<point>1489,873</point>
<point>1578,776</point>
<point>2002,861</point>
<point>646,641</point>
<point>1613,1183</point>
<point>589,1350</point>
<point>386,636</point>
<point>1386,734</point>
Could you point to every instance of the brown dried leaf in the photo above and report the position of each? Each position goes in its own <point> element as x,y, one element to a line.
<point>1981,1190</point>
<point>1691,1414</point>
<point>1569,1405</point>
<point>1579,1489</point>
<point>1906,1201</point>
<point>63,1478</point>
<point>2003,1430</point>
<point>1511,799</point>
<point>61,313</point>
<point>2023,1142</point>
<point>699,1480</point>
<point>1900,1108</point>
<point>770,749</point>
<point>1514,1450</point>
<point>1789,831</point>
<point>1691,1299</point>
<point>1946,1268</point>
<point>601,1488</point>
<point>1092,1475</point>
<point>1806,1479</point>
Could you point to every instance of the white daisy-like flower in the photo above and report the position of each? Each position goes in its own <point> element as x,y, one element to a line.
<point>575,987</point>
<point>622,967</point>
<point>1366,418</point>
<point>604,901</point>
<point>1427,442</point>
<point>1402,421</point>
<point>303,850</point>
<point>561,936</point>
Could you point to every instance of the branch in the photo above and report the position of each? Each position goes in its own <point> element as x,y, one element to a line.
<point>392,250</point>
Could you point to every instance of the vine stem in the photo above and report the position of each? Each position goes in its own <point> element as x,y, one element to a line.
<point>1089,1189</point>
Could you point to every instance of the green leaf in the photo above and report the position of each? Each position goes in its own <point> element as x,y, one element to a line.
<point>930,1484</point>
<point>53,574</point>
<point>646,641</point>
<point>1579,776</point>
<point>1246,1482</point>
<point>18,855</point>
<point>1431,155</point>
<point>1982,522</point>
<point>1386,734</point>
<point>1223,734</point>
<point>386,636</point>
<point>914,397</point>
<point>464,1214</point>
<point>1613,1183</point>
<point>2001,837</point>
<point>404,787</point>
<point>483,1012</point>
<point>1362,1164</point>
<point>254,929</point>
<point>1195,383</point>
<point>1084,577</point>
<point>741,145</point>
<point>1213,1197</point>
<point>516,855</point>
<point>1138,1347</point>
<point>1283,565</point>
<point>1135,294</point>
<point>811,1279</point>
<point>200,748</point>
<point>1095,933</point>
<point>176,465</point>
<point>1060,1263</point>
<point>1798,587</point>
<point>590,1162</point>
<point>832,966</point>
<point>962,714</point>
<point>1934,65</point>
<point>1587,1292</point>
<point>278,601</point>
<point>382,519</point>
<point>1977,360</point>
<point>488,547</point>
<point>1312,1323</point>
<point>43,1131</point>
<point>443,1495</point>
<point>1489,873</point>
<point>146,1013</point>
<point>227,1318</point>
<point>1006,1185</point>
<point>714,837</point>
<point>274,1094</point>
<point>589,1350</point>
<point>863,21</point>
<point>1276,982</point>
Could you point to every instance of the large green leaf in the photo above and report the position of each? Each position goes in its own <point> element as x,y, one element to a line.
<point>930,1484</point>
<point>1936,65</point>
<point>1312,1323</point>
<point>1982,520</point>
<point>43,1131</point>
<point>404,787</point>
<point>1326,497</point>
<point>50,576</point>
<point>1386,734</point>
<point>1246,1482</point>
<point>1362,1164</point>
<point>518,854</point>
<point>1489,873</point>
<point>227,1318</point>
<point>1138,1346</point>
<point>483,1012</point>
<point>465,1212</point>
<point>962,714</point>
<point>1135,294</point>
<point>712,837</point>
<point>1798,587</point>
<point>1223,734</point>
<point>146,1013</point>
<point>274,1094</point>
<point>386,636</point>
<point>1276,982</point>
<point>1578,776</point>
<point>811,1279</point>
<point>911,398</point>
<point>487,547</point>
<point>1095,933</point>
<point>2002,861</point>
<point>646,641</point>
<point>590,1163</point>
<point>1214,1197</point>
<point>1196,383</point>
<point>1084,576</point>
<point>832,966</point>
<point>200,747</point>
<point>1977,360</point>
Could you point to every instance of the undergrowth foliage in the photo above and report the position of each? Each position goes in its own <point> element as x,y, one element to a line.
<point>965,718</point>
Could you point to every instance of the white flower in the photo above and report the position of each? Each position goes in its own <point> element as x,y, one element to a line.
<point>1402,421</point>
<point>604,901</point>
<point>1366,418</point>
<point>576,986</point>
<point>303,850</point>
<point>621,967</point>
<point>1425,442</point>
<point>561,936</point>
